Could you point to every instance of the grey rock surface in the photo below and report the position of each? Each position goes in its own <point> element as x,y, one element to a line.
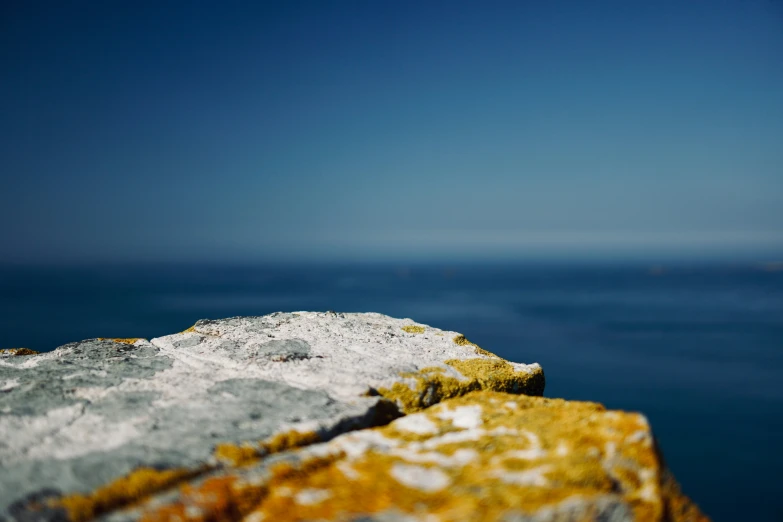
<point>87,413</point>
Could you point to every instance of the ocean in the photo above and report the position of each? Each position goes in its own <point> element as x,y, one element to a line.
<point>696,348</point>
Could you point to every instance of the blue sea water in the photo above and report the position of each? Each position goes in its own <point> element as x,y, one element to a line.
<point>698,349</point>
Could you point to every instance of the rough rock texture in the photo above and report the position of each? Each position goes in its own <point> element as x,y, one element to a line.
<point>484,456</point>
<point>313,416</point>
<point>98,424</point>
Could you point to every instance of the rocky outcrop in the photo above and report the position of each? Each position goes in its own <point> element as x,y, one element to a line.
<point>313,416</point>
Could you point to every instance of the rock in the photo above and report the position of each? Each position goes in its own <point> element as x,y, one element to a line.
<point>484,456</point>
<point>314,416</point>
<point>98,424</point>
<point>13,352</point>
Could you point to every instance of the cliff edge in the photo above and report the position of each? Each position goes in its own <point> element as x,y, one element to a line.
<point>313,416</point>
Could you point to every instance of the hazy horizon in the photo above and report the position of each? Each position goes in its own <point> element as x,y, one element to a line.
<point>490,247</point>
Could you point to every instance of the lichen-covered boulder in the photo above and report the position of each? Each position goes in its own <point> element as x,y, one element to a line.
<point>98,424</point>
<point>485,456</point>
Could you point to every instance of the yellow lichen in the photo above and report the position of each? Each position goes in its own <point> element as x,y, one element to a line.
<point>462,341</point>
<point>499,375</point>
<point>144,482</point>
<point>246,453</point>
<point>433,386</point>
<point>237,454</point>
<point>18,351</point>
<point>212,500</point>
<point>485,488</point>
<point>189,330</point>
<point>290,439</point>
<point>129,340</point>
<point>413,329</point>
<point>122,491</point>
<point>521,454</point>
<point>224,498</point>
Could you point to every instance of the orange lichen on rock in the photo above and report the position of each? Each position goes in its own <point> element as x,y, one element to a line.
<point>243,454</point>
<point>230,497</point>
<point>18,351</point>
<point>131,488</point>
<point>485,456</point>
<point>214,499</point>
<point>289,440</point>
<point>237,454</point>
<point>513,453</point>
<point>128,340</point>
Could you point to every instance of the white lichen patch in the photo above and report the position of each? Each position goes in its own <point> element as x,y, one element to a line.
<point>194,512</point>
<point>256,516</point>
<point>465,417</point>
<point>88,434</point>
<point>640,436</point>
<point>650,489</point>
<point>531,477</point>
<point>416,423</point>
<point>18,430</point>
<point>459,458</point>
<point>454,437</point>
<point>348,471</point>
<point>525,454</point>
<point>502,430</point>
<point>610,449</point>
<point>418,477</point>
<point>526,368</point>
<point>8,385</point>
<point>357,444</point>
<point>562,449</point>
<point>310,496</point>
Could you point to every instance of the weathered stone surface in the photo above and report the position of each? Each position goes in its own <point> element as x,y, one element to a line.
<point>484,456</point>
<point>101,423</point>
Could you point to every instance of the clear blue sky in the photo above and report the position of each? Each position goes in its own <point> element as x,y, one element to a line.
<point>389,129</point>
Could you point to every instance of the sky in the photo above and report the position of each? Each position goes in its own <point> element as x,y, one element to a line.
<point>245,131</point>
